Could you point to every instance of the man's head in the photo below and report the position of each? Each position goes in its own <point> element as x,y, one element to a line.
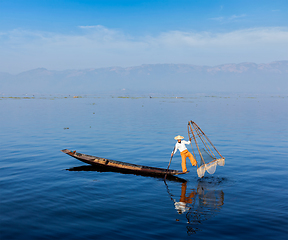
<point>178,138</point>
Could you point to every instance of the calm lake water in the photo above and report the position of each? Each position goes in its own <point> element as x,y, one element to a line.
<point>46,194</point>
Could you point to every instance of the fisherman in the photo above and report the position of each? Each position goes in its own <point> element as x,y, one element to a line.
<point>184,152</point>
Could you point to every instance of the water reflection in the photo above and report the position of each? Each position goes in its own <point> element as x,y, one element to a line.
<point>198,204</point>
<point>123,171</point>
<point>194,205</point>
<point>182,205</point>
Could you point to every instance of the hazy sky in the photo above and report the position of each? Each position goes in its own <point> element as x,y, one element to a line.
<point>62,34</point>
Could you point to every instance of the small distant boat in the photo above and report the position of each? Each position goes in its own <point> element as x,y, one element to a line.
<point>128,167</point>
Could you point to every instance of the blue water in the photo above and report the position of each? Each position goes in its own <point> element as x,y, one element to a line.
<point>44,195</point>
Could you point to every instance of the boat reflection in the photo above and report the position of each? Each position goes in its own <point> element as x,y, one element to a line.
<point>123,171</point>
<point>198,204</point>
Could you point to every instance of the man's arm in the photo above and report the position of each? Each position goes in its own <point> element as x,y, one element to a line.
<point>185,142</point>
<point>174,150</point>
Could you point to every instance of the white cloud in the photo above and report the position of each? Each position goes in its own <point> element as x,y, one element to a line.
<point>97,46</point>
<point>237,16</point>
<point>89,27</point>
<point>228,19</point>
<point>217,19</point>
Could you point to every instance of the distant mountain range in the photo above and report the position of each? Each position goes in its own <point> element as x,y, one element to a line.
<point>152,78</point>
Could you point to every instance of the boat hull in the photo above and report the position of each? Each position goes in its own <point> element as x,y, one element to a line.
<point>117,165</point>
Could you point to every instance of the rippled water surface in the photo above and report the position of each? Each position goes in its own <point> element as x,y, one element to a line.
<point>46,194</point>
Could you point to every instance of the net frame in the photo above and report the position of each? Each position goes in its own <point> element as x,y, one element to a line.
<point>194,132</point>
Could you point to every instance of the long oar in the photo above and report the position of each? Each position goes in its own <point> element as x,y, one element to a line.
<point>169,164</point>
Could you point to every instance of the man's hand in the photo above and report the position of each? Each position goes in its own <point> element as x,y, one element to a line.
<point>190,139</point>
<point>171,154</point>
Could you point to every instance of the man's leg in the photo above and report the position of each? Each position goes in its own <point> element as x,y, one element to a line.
<point>192,159</point>
<point>183,164</point>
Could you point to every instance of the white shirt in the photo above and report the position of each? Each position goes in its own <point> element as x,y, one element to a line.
<point>181,146</point>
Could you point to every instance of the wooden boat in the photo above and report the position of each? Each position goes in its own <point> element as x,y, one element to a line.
<point>128,167</point>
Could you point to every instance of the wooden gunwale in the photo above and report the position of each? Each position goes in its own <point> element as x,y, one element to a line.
<point>98,161</point>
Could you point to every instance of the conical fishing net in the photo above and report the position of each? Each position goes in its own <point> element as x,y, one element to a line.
<point>205,153</point>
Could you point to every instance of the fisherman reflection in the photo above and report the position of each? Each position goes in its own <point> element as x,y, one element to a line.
<point>199,205</point>
<point>181,206</point>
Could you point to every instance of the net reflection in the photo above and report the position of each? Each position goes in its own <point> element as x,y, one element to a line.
<point>198,204</point>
